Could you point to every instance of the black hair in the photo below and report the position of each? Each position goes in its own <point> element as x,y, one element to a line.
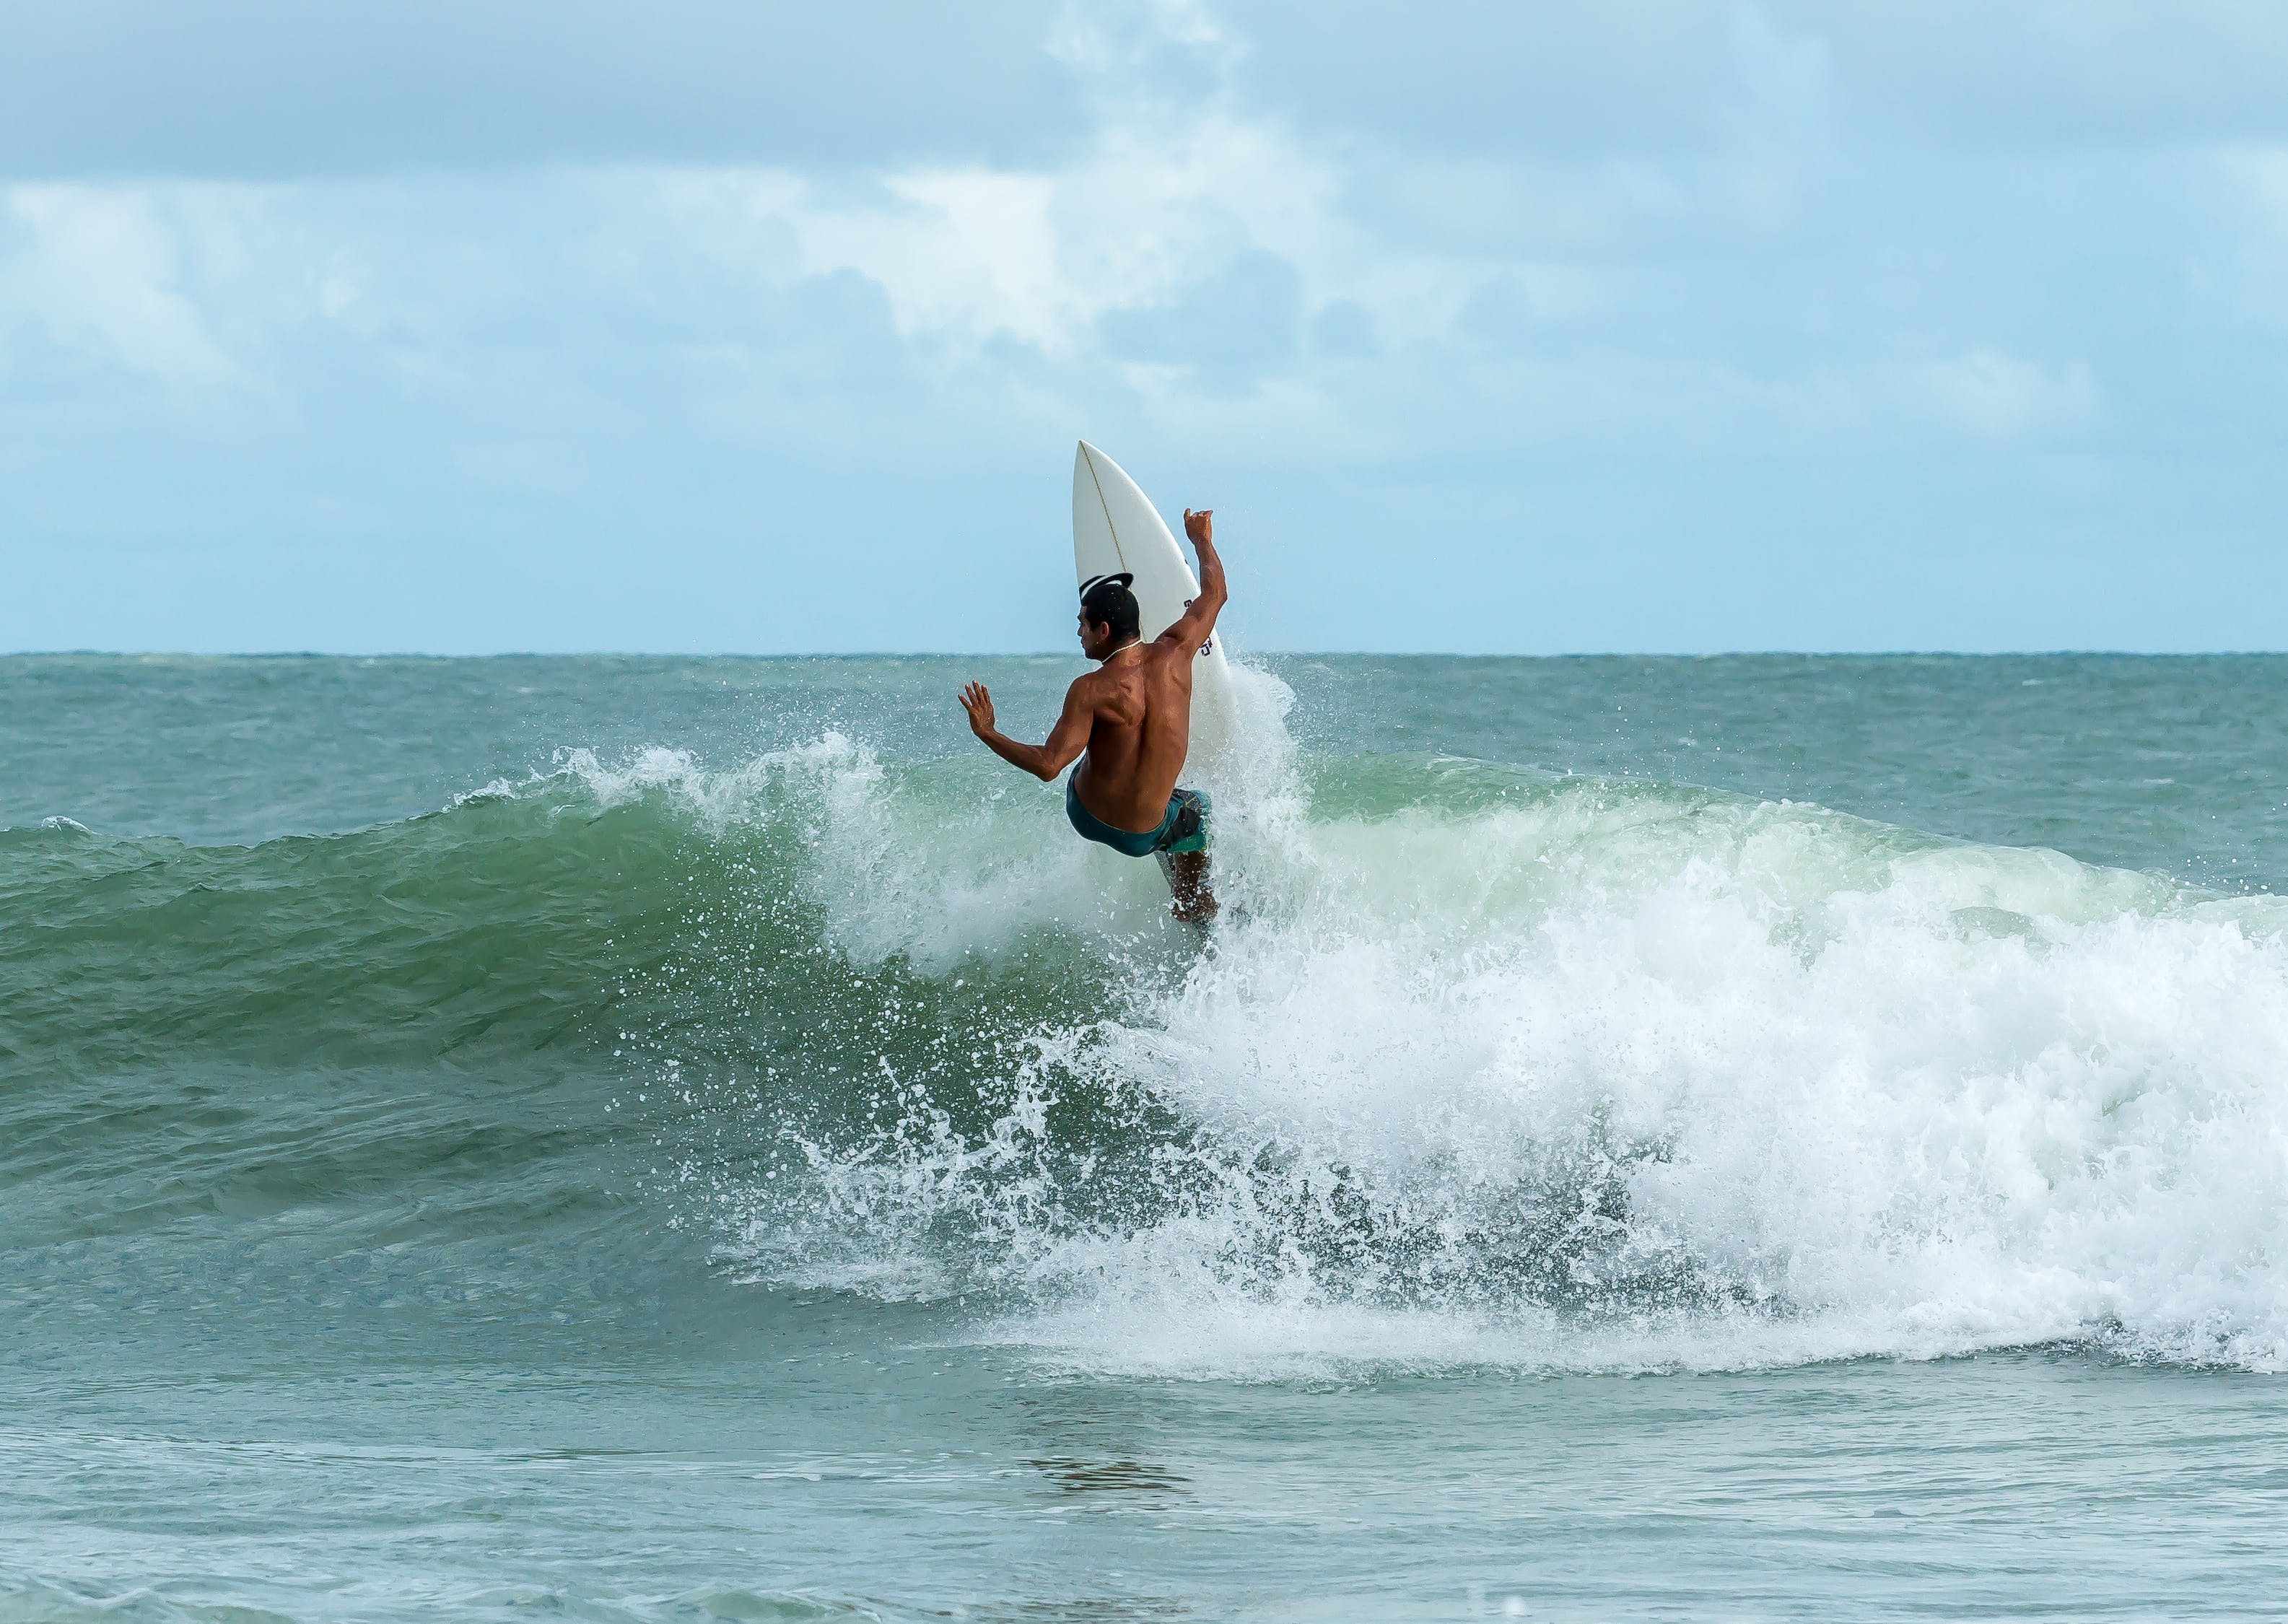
<point>1108,603</point>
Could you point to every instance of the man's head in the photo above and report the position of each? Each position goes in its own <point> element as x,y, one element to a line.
<point>1107,615</point>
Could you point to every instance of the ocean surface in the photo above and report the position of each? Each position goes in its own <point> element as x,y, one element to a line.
<point>665,1139</point>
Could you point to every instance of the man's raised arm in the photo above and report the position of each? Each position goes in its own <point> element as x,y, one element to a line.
<point>1044,762</point>
<point>1197,623</point>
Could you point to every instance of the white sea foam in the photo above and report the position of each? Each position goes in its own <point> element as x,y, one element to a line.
<point>1850,1105</point>
<point>833,778</point>
<point>1579,1074</point>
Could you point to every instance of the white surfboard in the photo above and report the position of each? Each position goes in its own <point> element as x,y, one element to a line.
<point>1115,529</point>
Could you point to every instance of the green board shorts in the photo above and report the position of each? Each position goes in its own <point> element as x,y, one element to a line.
<point>1184,829</point>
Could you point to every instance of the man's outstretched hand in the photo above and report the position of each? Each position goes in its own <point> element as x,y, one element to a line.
<point>1200,526</point>
<point>978,703</point>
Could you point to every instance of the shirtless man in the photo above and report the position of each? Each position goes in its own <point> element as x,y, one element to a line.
<point>1129,722</point>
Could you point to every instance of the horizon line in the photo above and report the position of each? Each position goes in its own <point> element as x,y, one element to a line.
<point>1035,654</point>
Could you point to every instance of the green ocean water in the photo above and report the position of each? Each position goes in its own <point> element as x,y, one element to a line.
<point>653,1139</point>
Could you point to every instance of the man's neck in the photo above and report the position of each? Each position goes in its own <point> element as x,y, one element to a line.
<point>1107,659</point>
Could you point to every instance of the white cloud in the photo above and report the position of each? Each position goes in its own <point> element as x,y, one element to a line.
<point>2246,274</point>
<point>1102,38</point>
<point>966,254</point>
<point>2263,172</point>
<point>1168,194</point>
<point>1999,396</point>
<point>100,268</point>
<point>974,254</point>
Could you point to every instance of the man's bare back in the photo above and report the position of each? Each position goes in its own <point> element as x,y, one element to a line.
<point>1139,712</point>
<point>1132,718</point>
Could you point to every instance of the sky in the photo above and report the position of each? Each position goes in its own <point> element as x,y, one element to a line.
<point>1630,325</point>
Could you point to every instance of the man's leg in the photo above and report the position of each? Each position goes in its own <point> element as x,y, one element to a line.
<point>1188,878</point>
<point>1184,858</point>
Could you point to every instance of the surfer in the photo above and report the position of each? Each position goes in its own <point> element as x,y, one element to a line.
<point>1129,723</point>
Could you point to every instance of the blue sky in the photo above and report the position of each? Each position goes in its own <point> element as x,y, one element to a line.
<point>1489,328</point>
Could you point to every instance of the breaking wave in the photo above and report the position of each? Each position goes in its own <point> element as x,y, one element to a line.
<point>1481,1067</point>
